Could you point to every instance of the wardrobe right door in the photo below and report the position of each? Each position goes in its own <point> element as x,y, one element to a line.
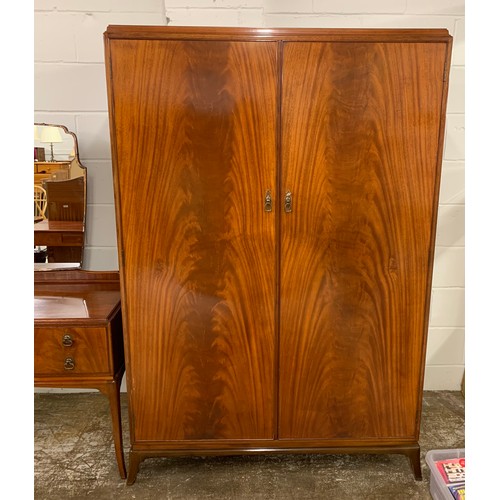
<point>361,128</point>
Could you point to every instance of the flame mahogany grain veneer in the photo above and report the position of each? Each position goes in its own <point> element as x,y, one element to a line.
<point>78,338</point>
<point>276,195</point>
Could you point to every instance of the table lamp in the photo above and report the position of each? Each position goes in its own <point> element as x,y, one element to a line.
<point>51,134</point>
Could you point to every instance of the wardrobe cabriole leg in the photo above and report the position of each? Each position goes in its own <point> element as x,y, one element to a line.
<point>134,460</point>
<point>413,455</point>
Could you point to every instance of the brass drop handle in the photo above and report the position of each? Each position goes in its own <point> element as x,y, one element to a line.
<point>268,202</point>
<point>67,340</point>
<point>69,364</point>
<point>288,202</point>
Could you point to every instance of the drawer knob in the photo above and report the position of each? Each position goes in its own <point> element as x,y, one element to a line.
<point>69,364</point>
<point>67,340</point>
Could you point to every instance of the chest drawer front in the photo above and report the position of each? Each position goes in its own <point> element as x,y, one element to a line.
<point>71,351</point>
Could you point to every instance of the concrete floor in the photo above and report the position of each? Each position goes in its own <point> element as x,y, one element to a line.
<point>74,458</point>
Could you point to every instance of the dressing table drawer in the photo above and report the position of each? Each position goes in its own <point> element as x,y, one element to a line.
<point>72,351</point>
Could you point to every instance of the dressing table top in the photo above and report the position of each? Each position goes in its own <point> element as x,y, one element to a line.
<point>90,297</point>
<point>90,305</point>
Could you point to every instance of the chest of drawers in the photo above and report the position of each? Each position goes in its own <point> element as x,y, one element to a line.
<point>55,171</point>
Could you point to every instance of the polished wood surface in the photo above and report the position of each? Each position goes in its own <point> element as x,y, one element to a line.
<point>76,280</point>
<point>66,200</point>
<point>360,159</point>
<point>78,338</point>
<point>65,230</point>
<point>89,349</point>
<point>197,251</point>
<point>287,34</point>
<point>64,240</point>
<point>90,305</point>
<point>61,226</point>
<point>250,331</point>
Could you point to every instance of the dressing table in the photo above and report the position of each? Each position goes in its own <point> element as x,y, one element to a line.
<point>78,339</point>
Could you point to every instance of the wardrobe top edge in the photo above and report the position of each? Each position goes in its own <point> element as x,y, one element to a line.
<point>277,34</point>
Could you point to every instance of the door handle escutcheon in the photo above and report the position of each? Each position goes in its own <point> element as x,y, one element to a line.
<point>288,202</point>
<point>268,202</point>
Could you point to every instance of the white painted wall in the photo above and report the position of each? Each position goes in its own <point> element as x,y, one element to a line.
<point>70,89</point>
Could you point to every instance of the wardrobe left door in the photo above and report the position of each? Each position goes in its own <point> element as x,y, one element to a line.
<point>193,125</point>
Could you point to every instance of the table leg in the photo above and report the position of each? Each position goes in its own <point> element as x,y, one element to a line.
<point>112,391</point>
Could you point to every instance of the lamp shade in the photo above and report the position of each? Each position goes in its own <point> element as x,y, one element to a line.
<point>50,134</point>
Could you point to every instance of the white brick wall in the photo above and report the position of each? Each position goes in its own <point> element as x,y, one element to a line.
<point>70,89</point>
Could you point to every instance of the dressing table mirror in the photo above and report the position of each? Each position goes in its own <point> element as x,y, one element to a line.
<point>60,199</point>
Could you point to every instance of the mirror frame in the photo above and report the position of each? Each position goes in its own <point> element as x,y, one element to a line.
<point>60,266</point>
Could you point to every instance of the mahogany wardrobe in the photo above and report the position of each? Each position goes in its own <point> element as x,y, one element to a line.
<point>276,195</point>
